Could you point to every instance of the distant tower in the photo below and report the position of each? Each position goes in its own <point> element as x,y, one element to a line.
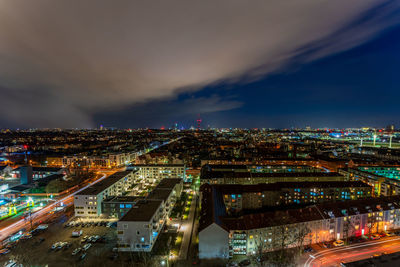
<point>198,122</point>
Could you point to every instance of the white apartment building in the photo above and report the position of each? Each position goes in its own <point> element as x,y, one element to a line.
<point>88,203</point>
<point>155,173</point>
<point>222,236</point>
<point>139,228</point>
<point>108,161</point>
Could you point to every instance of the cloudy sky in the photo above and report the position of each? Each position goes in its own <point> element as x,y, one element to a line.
<point>237,63</point>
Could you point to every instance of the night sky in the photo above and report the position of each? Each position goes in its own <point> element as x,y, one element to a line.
<point>136,64</point>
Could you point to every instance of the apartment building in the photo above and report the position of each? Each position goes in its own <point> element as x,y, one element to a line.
<point>155,173</point>
<point>222,235</point>
<point>106,161</point>
<point>383,179</point>
<point>118,206</point>
<point>257,178</point>
<point>139,228</point>
<point>88,203</point>
<point>246,197</point>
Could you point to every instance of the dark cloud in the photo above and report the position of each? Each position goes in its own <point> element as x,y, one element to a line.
<point>63,61</point>
<point>167,112</point>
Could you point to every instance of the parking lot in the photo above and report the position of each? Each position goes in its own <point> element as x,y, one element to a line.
<point>54,246</point>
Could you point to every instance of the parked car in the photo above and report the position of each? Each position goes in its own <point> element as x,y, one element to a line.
<point>338,243</point>
<point>326,245</point>
<point>87,246</point>
<point>375,236</point>
<point>308,249</point>
<point>76,251</point>
<point>55,245</point>
<point>61,245</point>
<point>77,233</point>
<point>82,256</point>
<point>390,234</point>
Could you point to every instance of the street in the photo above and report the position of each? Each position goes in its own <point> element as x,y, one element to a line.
<point>43,214</point>
<point>187,226</point>
<point>334,256</point>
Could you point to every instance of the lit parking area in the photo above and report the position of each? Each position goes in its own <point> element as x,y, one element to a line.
<point>66,244</point>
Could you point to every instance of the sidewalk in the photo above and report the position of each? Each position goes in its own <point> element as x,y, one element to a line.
<point>187,226</point>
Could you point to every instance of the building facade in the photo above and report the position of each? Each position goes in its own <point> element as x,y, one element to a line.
<point>88,203</point>
<point>155,173</point>
<point>139,228</point>
<point>280,229</point>
<point>247,197</point>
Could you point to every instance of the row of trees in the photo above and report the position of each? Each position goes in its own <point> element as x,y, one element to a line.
<point>285,244</point>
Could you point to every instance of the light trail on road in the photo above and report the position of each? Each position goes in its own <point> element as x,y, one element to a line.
<point>68,200</point>
<point>45,212</point>
<point>320,255</point>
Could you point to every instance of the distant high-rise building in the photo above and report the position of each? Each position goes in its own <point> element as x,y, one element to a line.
<point>26,174</point>
<point>390,128</point>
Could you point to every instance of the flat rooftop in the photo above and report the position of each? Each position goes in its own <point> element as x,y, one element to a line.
<point>169,183</point>
<point>106,183</point>
<point>238,175</point>
<point>160,194</point>
<point>143,211</point>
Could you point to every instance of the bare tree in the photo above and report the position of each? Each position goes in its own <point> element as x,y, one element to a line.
<point>348,229</point>
<point>285,244</point>
<point>372,223</point>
